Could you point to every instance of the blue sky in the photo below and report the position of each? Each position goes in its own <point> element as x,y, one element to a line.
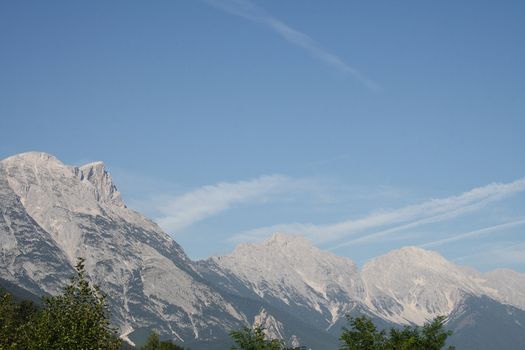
<point>367,126</point>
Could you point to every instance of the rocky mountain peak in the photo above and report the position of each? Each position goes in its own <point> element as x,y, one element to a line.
<point>105,190</point>
<point>410,256</point>
<point>283,240</point>
<point>53,213</point>
<point>32,157</point>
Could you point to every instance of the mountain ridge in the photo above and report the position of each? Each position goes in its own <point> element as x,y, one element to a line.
<point>52,213</point>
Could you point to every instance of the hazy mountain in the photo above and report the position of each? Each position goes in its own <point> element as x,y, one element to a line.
<point>406,286</point>
<point>412,285</point>
<point>53,213</point>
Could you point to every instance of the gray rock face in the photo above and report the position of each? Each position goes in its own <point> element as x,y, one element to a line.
<point>105,190</point>
<point>29,256</point>
<point>51,213</point>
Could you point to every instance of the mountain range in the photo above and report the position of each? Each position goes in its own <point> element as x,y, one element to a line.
<point>52,213</point>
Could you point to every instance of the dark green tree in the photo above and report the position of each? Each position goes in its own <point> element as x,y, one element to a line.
<point>76,319</point>
<point>255,339</point>
<point>406,339</point>
<point>433,334</point>
<point>363,335</point>
<point>154,343</point>
<point>13,318</point>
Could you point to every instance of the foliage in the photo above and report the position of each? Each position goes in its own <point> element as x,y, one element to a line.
<point>77,319</point>
<point>363,335</point>
<point>154,343</point>
<point>433,336</point>
<point>13,317</point>
<point>255,339</point>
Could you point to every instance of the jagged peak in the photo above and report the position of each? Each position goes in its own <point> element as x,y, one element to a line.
<point>49,168</point>
<point>94,165</point>
<point>100,178</point>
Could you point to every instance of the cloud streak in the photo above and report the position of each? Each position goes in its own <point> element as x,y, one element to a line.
<point>182,211</point>
<point>251,12</point>
<point>476,233</point>
<point>431,211</point>
<point>497,254</point>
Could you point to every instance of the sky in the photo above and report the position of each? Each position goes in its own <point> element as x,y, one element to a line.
<point>364,125</point>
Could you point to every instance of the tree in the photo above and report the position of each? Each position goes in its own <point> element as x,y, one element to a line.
<point>13,317</point>
<point>255,339</point>
<point>77,319</point>
<point>363,335</point>
<point>154,343</point>
<point>406,339</point>
<point>434,336</point>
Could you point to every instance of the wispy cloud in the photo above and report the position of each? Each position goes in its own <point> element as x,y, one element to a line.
<point>431,211</point>
<point>481,232</point>
<point>182,211</point>
<point>496,254</point>
<point>251,12</point>
<point>448,215</point>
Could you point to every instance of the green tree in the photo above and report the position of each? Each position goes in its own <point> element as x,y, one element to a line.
<point>255,339</point>
<point>363,335</point>
<point>13,317</point>
<point>433,334</point>
<point>77,319</point>
<point>154,343</point>
<point>406,339</point>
